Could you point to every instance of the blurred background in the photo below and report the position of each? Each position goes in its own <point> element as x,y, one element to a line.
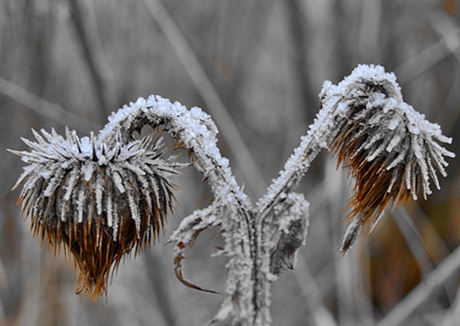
<point>257,67</point>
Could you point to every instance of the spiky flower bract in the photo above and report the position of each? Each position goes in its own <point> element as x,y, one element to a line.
<point>390,149</point>
<point>99,200</point>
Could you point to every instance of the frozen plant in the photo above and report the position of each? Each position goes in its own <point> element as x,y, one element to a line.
<point>104,196</point>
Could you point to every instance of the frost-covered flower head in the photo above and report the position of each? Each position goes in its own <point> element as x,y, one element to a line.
<point>100,199</point>
<point>391,150</point>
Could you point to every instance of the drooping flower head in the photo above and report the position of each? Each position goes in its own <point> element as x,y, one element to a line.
<point>100,200</point>
<point>390,149</point>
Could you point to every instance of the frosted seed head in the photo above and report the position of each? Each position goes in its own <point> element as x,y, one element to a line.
<point>391,150</point>
<point>75,197</point>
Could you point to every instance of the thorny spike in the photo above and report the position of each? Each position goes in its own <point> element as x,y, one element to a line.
<point>38,137</point>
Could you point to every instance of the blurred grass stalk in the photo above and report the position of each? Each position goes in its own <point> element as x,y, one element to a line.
<point>93,57</point>
<point>449,267</point>
<point>242,156</point>
<point>44,108</point>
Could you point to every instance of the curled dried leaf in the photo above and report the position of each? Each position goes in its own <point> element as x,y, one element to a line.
<point>188,231</point>
<point>180,276</point>
<point>284,255</point>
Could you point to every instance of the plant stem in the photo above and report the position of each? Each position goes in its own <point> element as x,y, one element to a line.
<point>92,58</point>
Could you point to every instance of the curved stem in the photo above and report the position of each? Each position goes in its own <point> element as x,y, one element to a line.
<point>203,84</point>
<point>197,132</point>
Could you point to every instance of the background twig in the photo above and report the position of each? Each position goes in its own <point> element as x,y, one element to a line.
<point>93,58</point>
<point>243,157</point>
<point>43,107</point>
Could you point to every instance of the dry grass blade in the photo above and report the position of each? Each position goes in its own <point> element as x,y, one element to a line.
<point>47,109</point>
<point>180,276</point>
<point>93,57</point>
<point>448,268</point>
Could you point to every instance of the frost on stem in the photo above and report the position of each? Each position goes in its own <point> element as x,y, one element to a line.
<point>390,149</point>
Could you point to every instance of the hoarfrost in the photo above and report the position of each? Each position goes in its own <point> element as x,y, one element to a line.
<point>81,205</point>
<point>88,170</point>
<point>118,182</point>
<point>393,123</point>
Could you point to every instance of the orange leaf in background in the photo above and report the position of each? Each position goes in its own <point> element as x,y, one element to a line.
<point>449,6</point>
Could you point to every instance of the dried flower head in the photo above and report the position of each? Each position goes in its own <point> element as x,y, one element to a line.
<point>390,149</point>
<point>101,200</point>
